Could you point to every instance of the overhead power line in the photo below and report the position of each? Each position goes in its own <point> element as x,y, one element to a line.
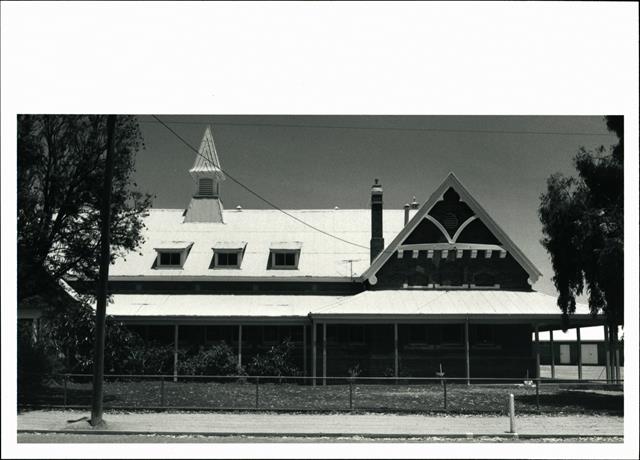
<point>256,194</point>
<point>386,128</point>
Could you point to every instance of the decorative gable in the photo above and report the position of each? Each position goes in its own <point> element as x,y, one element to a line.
<point>451,242</point>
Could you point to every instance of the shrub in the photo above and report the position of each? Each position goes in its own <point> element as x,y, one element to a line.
<point>277,361</point>
<point>218,359</point>
<point>149,358</point>
<point>35,366</point>
<point>68,335</point>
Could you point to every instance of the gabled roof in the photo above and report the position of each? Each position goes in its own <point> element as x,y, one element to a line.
<point>321,257</point>
<point>451,181</point>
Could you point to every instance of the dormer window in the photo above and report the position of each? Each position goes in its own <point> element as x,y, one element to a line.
<point>284,255</point>
<point>284,259</point>
<point>170,258</point>
<point>228,254</point>
<point>172,254</point>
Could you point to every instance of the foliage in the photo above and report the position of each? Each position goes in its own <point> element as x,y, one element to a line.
<point>277,361</point>
<point>61,160</point>
<point>217,359</point>
<point>68,334</point>
<point>149,358</point>
<point>582,224</point>
<point>34,364</point>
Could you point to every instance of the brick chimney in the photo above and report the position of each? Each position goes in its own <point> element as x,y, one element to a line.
<point>377,241</point>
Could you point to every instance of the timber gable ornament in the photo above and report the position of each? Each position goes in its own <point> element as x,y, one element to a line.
<point>450,222</point>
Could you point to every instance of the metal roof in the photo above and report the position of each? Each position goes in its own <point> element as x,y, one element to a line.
<point>485,303</point>
<point>239,245</point>
<point>169,245</point>
<point>207,163</point>
<point>399,304</point>
<point>215,305</point>
<point>321,256</point>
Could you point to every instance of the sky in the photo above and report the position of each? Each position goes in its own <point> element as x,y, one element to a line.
<point>311,162</point>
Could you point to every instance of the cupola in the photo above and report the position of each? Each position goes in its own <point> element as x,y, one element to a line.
<point>205,204</point>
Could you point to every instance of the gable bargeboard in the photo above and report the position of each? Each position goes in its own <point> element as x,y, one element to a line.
<point>451,243</point>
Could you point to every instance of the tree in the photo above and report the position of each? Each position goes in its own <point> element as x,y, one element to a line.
<point>582,223</point>
<point>61,160</point>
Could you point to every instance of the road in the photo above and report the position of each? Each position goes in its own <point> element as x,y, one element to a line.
<point>63,438</point>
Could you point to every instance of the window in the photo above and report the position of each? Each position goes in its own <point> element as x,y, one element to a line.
<point>227,259</point>
<point>484,335</point>
<point>344,335</point>
<point>171,259</point>
<point>227,254</point>
<point>284,259</point>
<point>356,334</point>
<point>417,333</point>
<point>452,274</point>
<point>269,334</point>
<point>284,255</point>
<point>484,279</point>
<point>452,334</point>
<point>172,254</point>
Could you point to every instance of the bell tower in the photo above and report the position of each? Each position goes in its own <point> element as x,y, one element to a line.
<point>206,204</point>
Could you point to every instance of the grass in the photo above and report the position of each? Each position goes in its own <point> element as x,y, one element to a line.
<point>476,398</point>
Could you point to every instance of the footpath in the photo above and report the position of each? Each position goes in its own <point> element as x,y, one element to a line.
<point>321,425</point>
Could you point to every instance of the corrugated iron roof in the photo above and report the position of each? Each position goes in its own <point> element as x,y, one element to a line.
<point>442,302</point>
<point>368,304</point>
<point>205,305</point>
<point>320,256</point>
<point>239,245</point>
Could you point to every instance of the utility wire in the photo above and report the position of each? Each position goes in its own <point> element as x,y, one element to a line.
<point>255,193</point>
<point>385,128</point>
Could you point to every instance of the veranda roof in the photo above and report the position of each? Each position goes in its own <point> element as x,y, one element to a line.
<point>459,304</point>
<point>368,306</point>
<point>199,307</point>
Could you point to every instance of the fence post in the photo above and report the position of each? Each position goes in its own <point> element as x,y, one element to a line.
<point>512,415</point>
<point>350,395</point>
<point>444,386</point>
<point>538,394</point>
<point>257,383</point>
<point>162,391</point>
<point>64,394</point>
